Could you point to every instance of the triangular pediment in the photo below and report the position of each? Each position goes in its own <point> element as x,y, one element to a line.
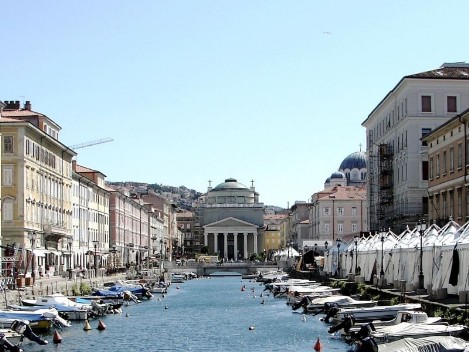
<point>230,222</point>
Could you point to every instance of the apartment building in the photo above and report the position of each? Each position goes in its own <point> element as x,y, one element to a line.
<point>36,189</point>
<point>89,245</point>
<point>397,170</point>
<point>338,213</point>
<point>448,157</point>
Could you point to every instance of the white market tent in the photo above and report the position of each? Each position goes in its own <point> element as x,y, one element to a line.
<point>444,252</point>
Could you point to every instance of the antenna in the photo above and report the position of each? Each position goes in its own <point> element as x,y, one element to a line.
<point>90,143</point>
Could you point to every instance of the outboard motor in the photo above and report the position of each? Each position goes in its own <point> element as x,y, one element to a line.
<point>346,324</point>
<point>331,309</point>
<point>6,345</point>
<point>302,303</point>
<point>24,329</point>
<point>368,344</point>
<point>365,331</point>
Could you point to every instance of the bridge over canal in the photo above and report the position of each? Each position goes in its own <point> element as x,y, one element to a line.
<point>206,269</point>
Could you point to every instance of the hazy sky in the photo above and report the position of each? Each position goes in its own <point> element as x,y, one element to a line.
<point>191,91</point>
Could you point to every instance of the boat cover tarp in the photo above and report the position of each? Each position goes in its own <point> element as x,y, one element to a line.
<point>408,329</point>
<point>426,344</point>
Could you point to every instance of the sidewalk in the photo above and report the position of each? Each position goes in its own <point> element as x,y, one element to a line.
<point>54,284</point>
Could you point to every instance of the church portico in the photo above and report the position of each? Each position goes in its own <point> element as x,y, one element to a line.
<point>231,238</point>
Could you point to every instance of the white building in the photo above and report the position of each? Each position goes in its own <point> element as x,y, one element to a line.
<point>397,158</point>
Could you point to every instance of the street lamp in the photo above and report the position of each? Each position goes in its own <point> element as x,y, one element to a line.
<point>32,237</point>
<point>338,251</point>
<point>153,239</point>
<point>70,242</point>
<point>383,237</point>
<point>95,243</point>
<point>113,251</point>
<point>356,255</point>
<point>421,227</point>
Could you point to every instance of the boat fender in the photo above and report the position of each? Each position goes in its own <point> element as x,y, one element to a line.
<point>57,338</point>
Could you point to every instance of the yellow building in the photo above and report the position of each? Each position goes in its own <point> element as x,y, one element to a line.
<point>36,189</point>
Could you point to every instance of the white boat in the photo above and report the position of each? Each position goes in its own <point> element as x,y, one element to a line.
<point>431,343</point>
<point>297,294</point>
<point>318,305</point>
<point>374,313</point>
<point>177,278</point>
<point>403,330</point>
<point>69,309</point>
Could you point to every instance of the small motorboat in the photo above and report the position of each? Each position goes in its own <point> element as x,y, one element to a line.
<point>366,314</point>
<point>319,305</point>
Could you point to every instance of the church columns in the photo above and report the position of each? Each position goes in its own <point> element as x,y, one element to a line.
<point>235,246</point>
<point>215,243</point>
<point>245,254</point>
<point>205,240</point>
<point>255,242</point>
<point>225,245</point>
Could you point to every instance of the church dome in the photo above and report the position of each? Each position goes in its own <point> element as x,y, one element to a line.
<point>230,183</point>
<point>355,160</point>
<point>337,175</point>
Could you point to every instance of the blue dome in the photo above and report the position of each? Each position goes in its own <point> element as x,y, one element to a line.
<point>230,183</point>
<point>355,160</point>
<point>337,175</point>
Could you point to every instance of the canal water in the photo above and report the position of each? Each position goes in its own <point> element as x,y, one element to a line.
<point>209,314</point>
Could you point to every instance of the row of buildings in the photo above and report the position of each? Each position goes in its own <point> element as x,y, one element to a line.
<point>60,215</point>
<point>414,169</point>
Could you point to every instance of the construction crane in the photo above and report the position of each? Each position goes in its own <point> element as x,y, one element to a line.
<point>90,143</point>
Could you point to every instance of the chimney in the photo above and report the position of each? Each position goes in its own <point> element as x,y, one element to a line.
<point>27,105</point>
<point>17,105</point>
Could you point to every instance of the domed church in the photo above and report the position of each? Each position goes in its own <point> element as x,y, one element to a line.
<point>352,172</point>
<point>232,219</point>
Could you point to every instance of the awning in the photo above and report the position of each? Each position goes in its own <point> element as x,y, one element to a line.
<point>41,252</point>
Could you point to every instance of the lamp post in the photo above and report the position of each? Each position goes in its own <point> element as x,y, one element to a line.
<point>32,237</point>
<point>356,255</point>
<point>113,251</point>
<point>421,227</point>
<point>161,255</point>
<point>315,249</point>
<point>383,237</point>
<point>95,243</point>
<point>338,261</point>
<point>70,242</point>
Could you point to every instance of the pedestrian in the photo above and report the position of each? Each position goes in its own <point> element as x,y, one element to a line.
<point>39,270</point>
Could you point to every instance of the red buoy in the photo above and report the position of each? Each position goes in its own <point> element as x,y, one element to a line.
<point>57,337</point>
<point>101,325</point>
<point>318,345</point>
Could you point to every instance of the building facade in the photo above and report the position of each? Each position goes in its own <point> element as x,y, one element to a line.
<point>89,247</point>
<point>397,180</point>
<point>232,220</point>
<point>36,190</point>
<point>337,213</point>
<point>448,167</point>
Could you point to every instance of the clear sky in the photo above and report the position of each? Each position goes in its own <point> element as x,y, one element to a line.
<point>191,91</point>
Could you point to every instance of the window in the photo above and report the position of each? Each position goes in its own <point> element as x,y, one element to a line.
<point>426,101</point>
<point>451,104</point>
<point>444,162</point>
<point>425,132</point>
<point>8,144</point>
<point>459,215</point>
<point>340,228</point>
<point>354,210</point>
<point>437,166</point>
<point>424,170</point>
<point>430,168</point>
<point>354,228</point>
<point>451,159</point>
<point>326,228</point>
<point>7,209</point>
<point>7,175</point>
<point>327,211</point>
<point>340,211</point>
<point>451,203</point>
<point>459,155</point>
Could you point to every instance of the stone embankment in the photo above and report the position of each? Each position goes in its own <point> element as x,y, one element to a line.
<point>53,284</point>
